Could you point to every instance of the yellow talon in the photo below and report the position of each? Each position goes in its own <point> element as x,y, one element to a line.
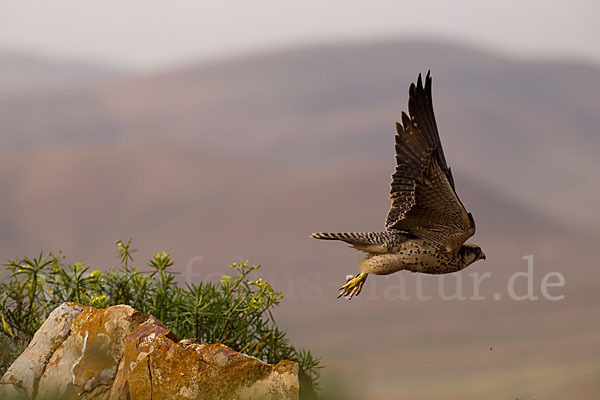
<point>353,286</point>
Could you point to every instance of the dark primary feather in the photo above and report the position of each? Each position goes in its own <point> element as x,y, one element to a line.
<point>420,107</point>
<point>424,200</point>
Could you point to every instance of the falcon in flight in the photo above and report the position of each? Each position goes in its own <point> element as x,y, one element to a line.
<point>427,225</point>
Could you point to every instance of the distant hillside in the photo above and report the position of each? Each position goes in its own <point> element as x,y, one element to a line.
<point>22,73</point>
<point>520,127</point>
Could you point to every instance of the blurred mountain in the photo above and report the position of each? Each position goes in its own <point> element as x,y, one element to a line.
<point>245,157</point>
<point>22,73</point>
<point>525,128</point>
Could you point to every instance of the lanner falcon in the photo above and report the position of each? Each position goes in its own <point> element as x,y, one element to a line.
<point>427,225</point>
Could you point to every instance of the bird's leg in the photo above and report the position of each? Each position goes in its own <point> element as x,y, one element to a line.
<point>353,286</point>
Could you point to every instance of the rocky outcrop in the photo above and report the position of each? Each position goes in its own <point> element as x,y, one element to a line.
<point>119,353</point>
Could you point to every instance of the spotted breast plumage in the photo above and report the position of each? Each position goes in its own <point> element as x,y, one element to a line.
<point>427,225</point>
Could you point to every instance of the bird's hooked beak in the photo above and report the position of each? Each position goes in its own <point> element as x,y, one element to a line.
<point>482,256</point>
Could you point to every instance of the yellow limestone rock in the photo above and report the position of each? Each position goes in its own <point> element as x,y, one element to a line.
<point>119,353</point>
<point>87,361</point>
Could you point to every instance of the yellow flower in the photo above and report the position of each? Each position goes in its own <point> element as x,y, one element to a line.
<point>161,256</point>
<point>93,274</point>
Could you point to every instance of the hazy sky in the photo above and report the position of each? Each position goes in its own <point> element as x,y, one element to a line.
<point>149,33</point>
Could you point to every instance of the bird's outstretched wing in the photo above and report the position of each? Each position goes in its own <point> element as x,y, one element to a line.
<point>424,200</point>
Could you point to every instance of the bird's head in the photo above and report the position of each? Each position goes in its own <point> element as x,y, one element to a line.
<point>471,253</point>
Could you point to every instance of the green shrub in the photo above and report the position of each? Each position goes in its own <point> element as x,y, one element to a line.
<point>235,311</point>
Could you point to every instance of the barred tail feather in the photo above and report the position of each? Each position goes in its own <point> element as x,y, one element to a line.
<point>335,236</point>
<point>369,242</point>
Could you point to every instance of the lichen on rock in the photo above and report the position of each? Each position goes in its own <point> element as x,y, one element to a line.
<point>119,353</point>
